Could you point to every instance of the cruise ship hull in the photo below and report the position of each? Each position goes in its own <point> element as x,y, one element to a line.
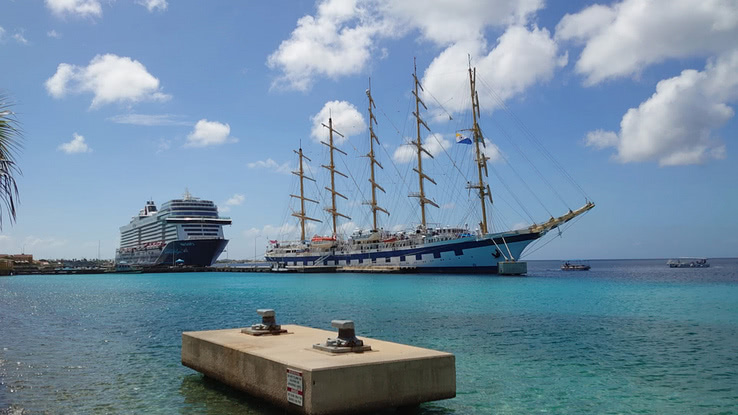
<point>197,252</point>
<point>465,255</point>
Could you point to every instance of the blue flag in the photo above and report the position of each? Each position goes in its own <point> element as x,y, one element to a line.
<point>460,139</point>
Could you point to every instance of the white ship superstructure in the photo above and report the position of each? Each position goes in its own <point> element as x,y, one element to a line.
<point>185,231</point>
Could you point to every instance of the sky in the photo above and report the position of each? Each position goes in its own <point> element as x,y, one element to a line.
<point>124,101</point>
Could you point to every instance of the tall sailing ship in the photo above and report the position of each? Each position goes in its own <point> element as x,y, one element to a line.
<point>426,248</point>
<point>186,231</point>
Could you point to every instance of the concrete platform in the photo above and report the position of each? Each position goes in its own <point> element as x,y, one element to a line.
<point>512,268</point>
<point>288,372</point>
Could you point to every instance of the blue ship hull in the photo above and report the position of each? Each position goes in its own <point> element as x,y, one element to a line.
<point>198,252</point>
<point>193,252</point>
<point>465,255</point>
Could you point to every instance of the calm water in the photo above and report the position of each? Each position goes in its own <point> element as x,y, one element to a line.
<point>625,337</point>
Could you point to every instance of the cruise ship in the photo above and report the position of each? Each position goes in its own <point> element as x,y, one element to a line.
<point>185,231</point>
<point>424,248</point>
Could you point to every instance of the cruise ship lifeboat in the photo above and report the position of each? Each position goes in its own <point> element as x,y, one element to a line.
<point>323,241</point>
<point>362,237</point>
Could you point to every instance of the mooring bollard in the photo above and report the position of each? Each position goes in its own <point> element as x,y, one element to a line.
<point>268,324</point>
<point>346,340</point>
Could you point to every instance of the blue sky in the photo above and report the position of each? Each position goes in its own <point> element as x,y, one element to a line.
<point>122,101</point>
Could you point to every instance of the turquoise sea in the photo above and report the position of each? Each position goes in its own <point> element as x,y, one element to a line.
<point>625,337</point>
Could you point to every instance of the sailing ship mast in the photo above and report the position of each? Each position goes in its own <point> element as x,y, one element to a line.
<point>373,161</point>
<point>480,186</point>
<point>420,150</point>
<point>301,214</point>
<point>332,168</point>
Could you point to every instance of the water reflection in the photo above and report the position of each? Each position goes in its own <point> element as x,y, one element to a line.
<point>203,395</point>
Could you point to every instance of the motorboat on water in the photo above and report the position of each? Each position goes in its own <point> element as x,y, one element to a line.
<point>688,262</point>
<point>575,266</point>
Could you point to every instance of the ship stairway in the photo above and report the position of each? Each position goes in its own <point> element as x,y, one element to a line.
<point>320,260</point>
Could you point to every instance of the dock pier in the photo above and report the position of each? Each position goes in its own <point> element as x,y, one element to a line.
<point>507,268</point>
<point>297,369</point>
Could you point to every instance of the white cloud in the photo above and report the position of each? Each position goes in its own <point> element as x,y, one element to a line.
<point>2,33</point>
<point>347,120</point>
<point>163,145</point>
<point>521,58</point>
<point>286,231</point>
<point>18,36</point>
<point>54,34</point>
<point>7,244</point>
<point>39,247</point>
<point>56,86</point>
<point>341,37</point>
<point>623,39</point>
<point>399,227</point>
<point>77,145</point>
<point>148,119</point>
<point>81,8</point>
<point>235,200</point>
<point>209,133</point>
<point>675,125</point>
<point>30,242</point>
<point>434,143</point>
<point>600,139</point>
<point>491,151</point>
<point>110,78</point>
<point>336,42</point>
<point>445,22</point>
<point>586,23</point>
<point>520,225</point>
<point>153,4</point>
<point>272,165</point>
<point>347,228</point>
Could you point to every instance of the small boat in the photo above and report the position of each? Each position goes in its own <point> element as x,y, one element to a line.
<point>575,266</point>
<point>687,262</point>
<point>126,268</point>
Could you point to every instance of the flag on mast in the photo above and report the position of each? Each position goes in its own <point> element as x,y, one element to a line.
<point>460,139</point>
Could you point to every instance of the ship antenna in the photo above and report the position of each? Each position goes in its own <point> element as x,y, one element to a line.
<point>301,174</point>
<point>420,150</point>
<point>373,160</point>
<point>332,168</point>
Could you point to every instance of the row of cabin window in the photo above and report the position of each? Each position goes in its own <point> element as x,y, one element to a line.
<point>374,260</point>
<point>348,262</point>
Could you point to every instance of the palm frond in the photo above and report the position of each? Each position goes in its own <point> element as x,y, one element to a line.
<point>11,139</point>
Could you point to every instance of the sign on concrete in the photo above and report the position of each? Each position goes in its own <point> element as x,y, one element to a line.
<point>294,387</point>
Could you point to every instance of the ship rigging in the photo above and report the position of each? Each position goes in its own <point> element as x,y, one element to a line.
<point>426,247</point>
